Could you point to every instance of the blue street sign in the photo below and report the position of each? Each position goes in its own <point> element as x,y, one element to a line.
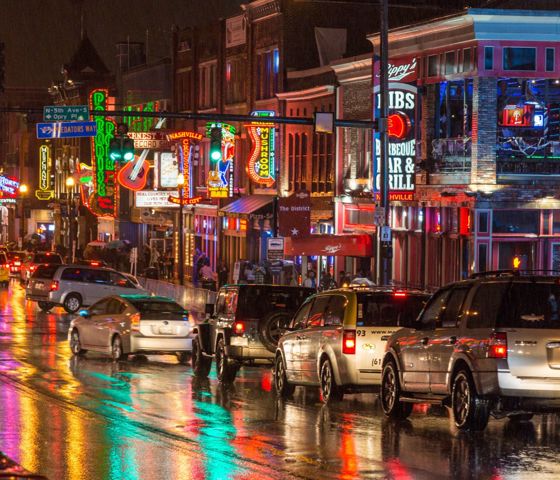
<point>66,130</point>
<point>65,113</point>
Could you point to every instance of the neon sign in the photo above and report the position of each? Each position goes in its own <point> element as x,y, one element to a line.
<point>44,193</point>
<point>220,174</point>
<point>142,124</point>
<point>184,140</point>
<point>8,187</point>
<point>104,200</point>
<point>260,167</point>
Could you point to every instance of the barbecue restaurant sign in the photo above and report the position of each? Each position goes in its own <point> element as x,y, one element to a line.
<point>401,129</point>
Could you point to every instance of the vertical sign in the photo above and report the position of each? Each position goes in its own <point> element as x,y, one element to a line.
<point>104,201</point>
<point>401,129</point>
<point>220,174</point>
<point>44,192</point>
<point>184,141</point>
<point>262,160</point>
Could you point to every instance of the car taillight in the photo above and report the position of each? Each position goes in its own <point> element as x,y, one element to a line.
<point>17,264</point>
<point>32,268</point>
<point>135,322</point>
<point>349,342</point>
<point>399,294</point>
<point>497,347</point>
<point>239,328</point>
<point>54,285</point>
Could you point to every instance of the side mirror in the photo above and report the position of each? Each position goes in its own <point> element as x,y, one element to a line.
<point>84,313</point>
<point>209,309</point>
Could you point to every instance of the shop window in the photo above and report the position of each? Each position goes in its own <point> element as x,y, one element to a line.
<point>297,161</point>
<point>482,257</point>
<point>516,221</point>
<point>453,117</point>
<point>467,60</point>
<point>488,58</point>
<point>550,59</point>
<point>483,222</point>
<point>449,63</point>
<point>516,255</point>
<point>519,58</point>
<point>433,65</point>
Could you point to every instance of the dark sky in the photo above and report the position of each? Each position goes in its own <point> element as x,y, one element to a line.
<point>41,35</point>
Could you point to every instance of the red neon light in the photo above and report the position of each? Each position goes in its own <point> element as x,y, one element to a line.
<point>255,153</point>
<point>123,177</point>
<point>398,125</point>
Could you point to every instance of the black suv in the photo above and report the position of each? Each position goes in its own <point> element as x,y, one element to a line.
<point>244,327</point>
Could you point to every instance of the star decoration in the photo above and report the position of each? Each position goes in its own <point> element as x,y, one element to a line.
<point>295,232</point>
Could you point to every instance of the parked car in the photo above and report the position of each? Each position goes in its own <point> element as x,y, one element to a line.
<point>15,259</point>
<point>4,270</point>
<point>337,339</point>
<point>120,325</point>
<point>244,327</point>
<point>74,286</point>
<point>485,346</point>
<point>33,260</point>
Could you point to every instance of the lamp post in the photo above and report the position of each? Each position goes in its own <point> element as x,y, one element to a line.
<point>181,258</point>
<point>23,189</point>
<point>70,207</point>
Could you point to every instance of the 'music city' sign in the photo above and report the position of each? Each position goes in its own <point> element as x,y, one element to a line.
<point>401,129</point>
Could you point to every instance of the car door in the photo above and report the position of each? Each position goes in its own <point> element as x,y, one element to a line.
<point>111,322</point>
<point>96,285</point>
<point>444,341</point>
<point>310,339</point>
<point>290,342</point>
<point>414,345</point>
<point>88,328</point>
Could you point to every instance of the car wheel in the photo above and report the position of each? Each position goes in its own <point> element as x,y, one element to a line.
<point>272,327</point>
<point>184,357</point>
<point>390,393</point>
<point>330,390</point>
<point>45,306</point>
<point>226,371</point>
<point>76,344</point>
<point>470,411</point>
<point>72,302</point>
<point>283,388</point>
<point>520,417</point>
<point>117,352</point>
<point>200,362</point>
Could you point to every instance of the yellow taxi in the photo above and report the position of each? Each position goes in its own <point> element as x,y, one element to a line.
<point>4,269</point>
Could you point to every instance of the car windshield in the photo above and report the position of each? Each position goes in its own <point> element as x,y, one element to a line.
<point>45,271</point>
<point>257,302</point>
<point>389,309</point>
<point>46,258</point>
<point>158,307</point>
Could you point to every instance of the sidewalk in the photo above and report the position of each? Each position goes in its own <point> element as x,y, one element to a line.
<point>192,298</point>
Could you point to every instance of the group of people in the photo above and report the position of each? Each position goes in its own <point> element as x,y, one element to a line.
<point>328,282</point>
<point>162,261</point>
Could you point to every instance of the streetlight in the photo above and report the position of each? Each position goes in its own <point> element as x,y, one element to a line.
<point>181,267</point>
<point>70,204</point>
<point>23,189</point>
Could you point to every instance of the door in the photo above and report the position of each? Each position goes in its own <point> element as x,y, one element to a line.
<point>445,340</point>
<point>96,285</point>
<point>310,339</point>
<point>89,326</point>
<point>414,347</point>
<point>290,343</point>
<point>112,321</point>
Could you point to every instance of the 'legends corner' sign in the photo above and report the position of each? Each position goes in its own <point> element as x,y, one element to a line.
<point>401,129</point>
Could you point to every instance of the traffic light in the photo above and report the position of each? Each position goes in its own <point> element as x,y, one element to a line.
<point>115,153</point>
<point>216,144</point>
<point>121,148</point>
<point>127,149</point>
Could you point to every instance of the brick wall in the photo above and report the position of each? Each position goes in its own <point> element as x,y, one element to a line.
<point>484,129</point>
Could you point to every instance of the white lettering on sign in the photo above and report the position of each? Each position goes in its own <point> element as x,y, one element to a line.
<point>400,72</point>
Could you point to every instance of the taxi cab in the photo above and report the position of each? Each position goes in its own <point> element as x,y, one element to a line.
<point>337,339</point>
<point>4,269</point>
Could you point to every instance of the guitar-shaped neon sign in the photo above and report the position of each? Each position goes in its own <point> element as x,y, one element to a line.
<point>134,174</point>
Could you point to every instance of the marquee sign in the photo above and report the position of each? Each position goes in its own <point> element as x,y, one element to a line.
<point>401,129</point>
<point>261,164</point>
<point>45,163</point>
<point>183,140</point>
<point>220,174</point>
<point>104,200</point>
<point>8,187</point>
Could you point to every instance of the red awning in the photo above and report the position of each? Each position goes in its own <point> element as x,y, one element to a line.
<point>342,245</point>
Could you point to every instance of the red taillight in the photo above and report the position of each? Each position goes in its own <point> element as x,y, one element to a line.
<point>349,342</point>
<point>54,285</point>
<point>497,347</point>
<point>95,264</point>
<point>135,322</point>
<point>239,328</point>
<point>399,294</point>
<point>32,268</point>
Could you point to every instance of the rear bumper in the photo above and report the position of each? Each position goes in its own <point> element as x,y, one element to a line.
<point>530,387</point>
<point>252,351</point>
<point>160,344</point>
<point>37,298</point>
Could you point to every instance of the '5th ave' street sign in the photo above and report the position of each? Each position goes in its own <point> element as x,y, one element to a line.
<point>55,113</point>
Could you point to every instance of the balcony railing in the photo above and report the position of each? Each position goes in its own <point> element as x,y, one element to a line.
<point>451,155</point>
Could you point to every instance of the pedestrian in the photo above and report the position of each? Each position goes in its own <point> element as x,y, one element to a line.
<point>168,263</point>
<point>310,281</point>
<point>207,276</point>
<point>327,282</point>
<point>344,279</point>
<point>223,273</point>
<point>259,274</point>
<point>250,273</point>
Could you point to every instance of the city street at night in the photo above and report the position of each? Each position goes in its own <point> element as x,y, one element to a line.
<point>149,418</point>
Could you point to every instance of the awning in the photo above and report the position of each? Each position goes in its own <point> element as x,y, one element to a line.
<point>246,205</point>
<point>327,245</point>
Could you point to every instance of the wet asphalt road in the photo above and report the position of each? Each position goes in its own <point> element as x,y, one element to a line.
<point>90,418</point>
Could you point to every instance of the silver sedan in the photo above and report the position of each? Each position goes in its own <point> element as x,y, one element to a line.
<point>126,324</point>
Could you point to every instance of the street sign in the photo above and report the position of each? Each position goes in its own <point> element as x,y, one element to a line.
<point>386,234</point>
<point>66,130</point>
<point>379,216</point>
<point>69,113</point>
<point>275,249</point>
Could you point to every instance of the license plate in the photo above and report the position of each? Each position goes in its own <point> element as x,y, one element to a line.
<point>166,330</point>
<point>39,285</point>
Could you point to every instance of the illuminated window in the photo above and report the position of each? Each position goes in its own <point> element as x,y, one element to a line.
<point>520,58</point>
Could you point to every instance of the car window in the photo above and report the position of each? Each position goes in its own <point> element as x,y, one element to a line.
<point>100,308</point>
<point>159,307</point>
<point>334,314</point>
<point>257,301</point>
<point>96,276</point>
<point>382,309</point>
<point>118,280</point>
<point>72,274</point>
<point>450,316</point>
<point>432,315</point>
<point>486,304</point>
<point>45,271</point>
<point>317,313</point>
<point>230,302</point>
<point>47,258</point>
<point>300,319</point>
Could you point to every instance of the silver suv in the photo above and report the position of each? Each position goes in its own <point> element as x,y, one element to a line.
<point>337,339</point>
<point>485,346</point>
<point>74,286</point>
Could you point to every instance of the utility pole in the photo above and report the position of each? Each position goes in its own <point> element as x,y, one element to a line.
<point>181,256</point>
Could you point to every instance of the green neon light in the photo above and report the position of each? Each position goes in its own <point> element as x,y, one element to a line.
<point>141,124</point>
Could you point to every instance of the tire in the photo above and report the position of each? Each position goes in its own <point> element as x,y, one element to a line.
<point>75,343</point>
<point>520,417</point>
<point>72,302</point>
<point>283,388</point>
<point>226,371</point>
<point>272,327</point>
<point>117,353</point>
<point>390,393</point>
<point>329,389</point>
<point>470,411</point>
<point>201,363</point>
<point>184,357</point>
<point>45,306</point>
